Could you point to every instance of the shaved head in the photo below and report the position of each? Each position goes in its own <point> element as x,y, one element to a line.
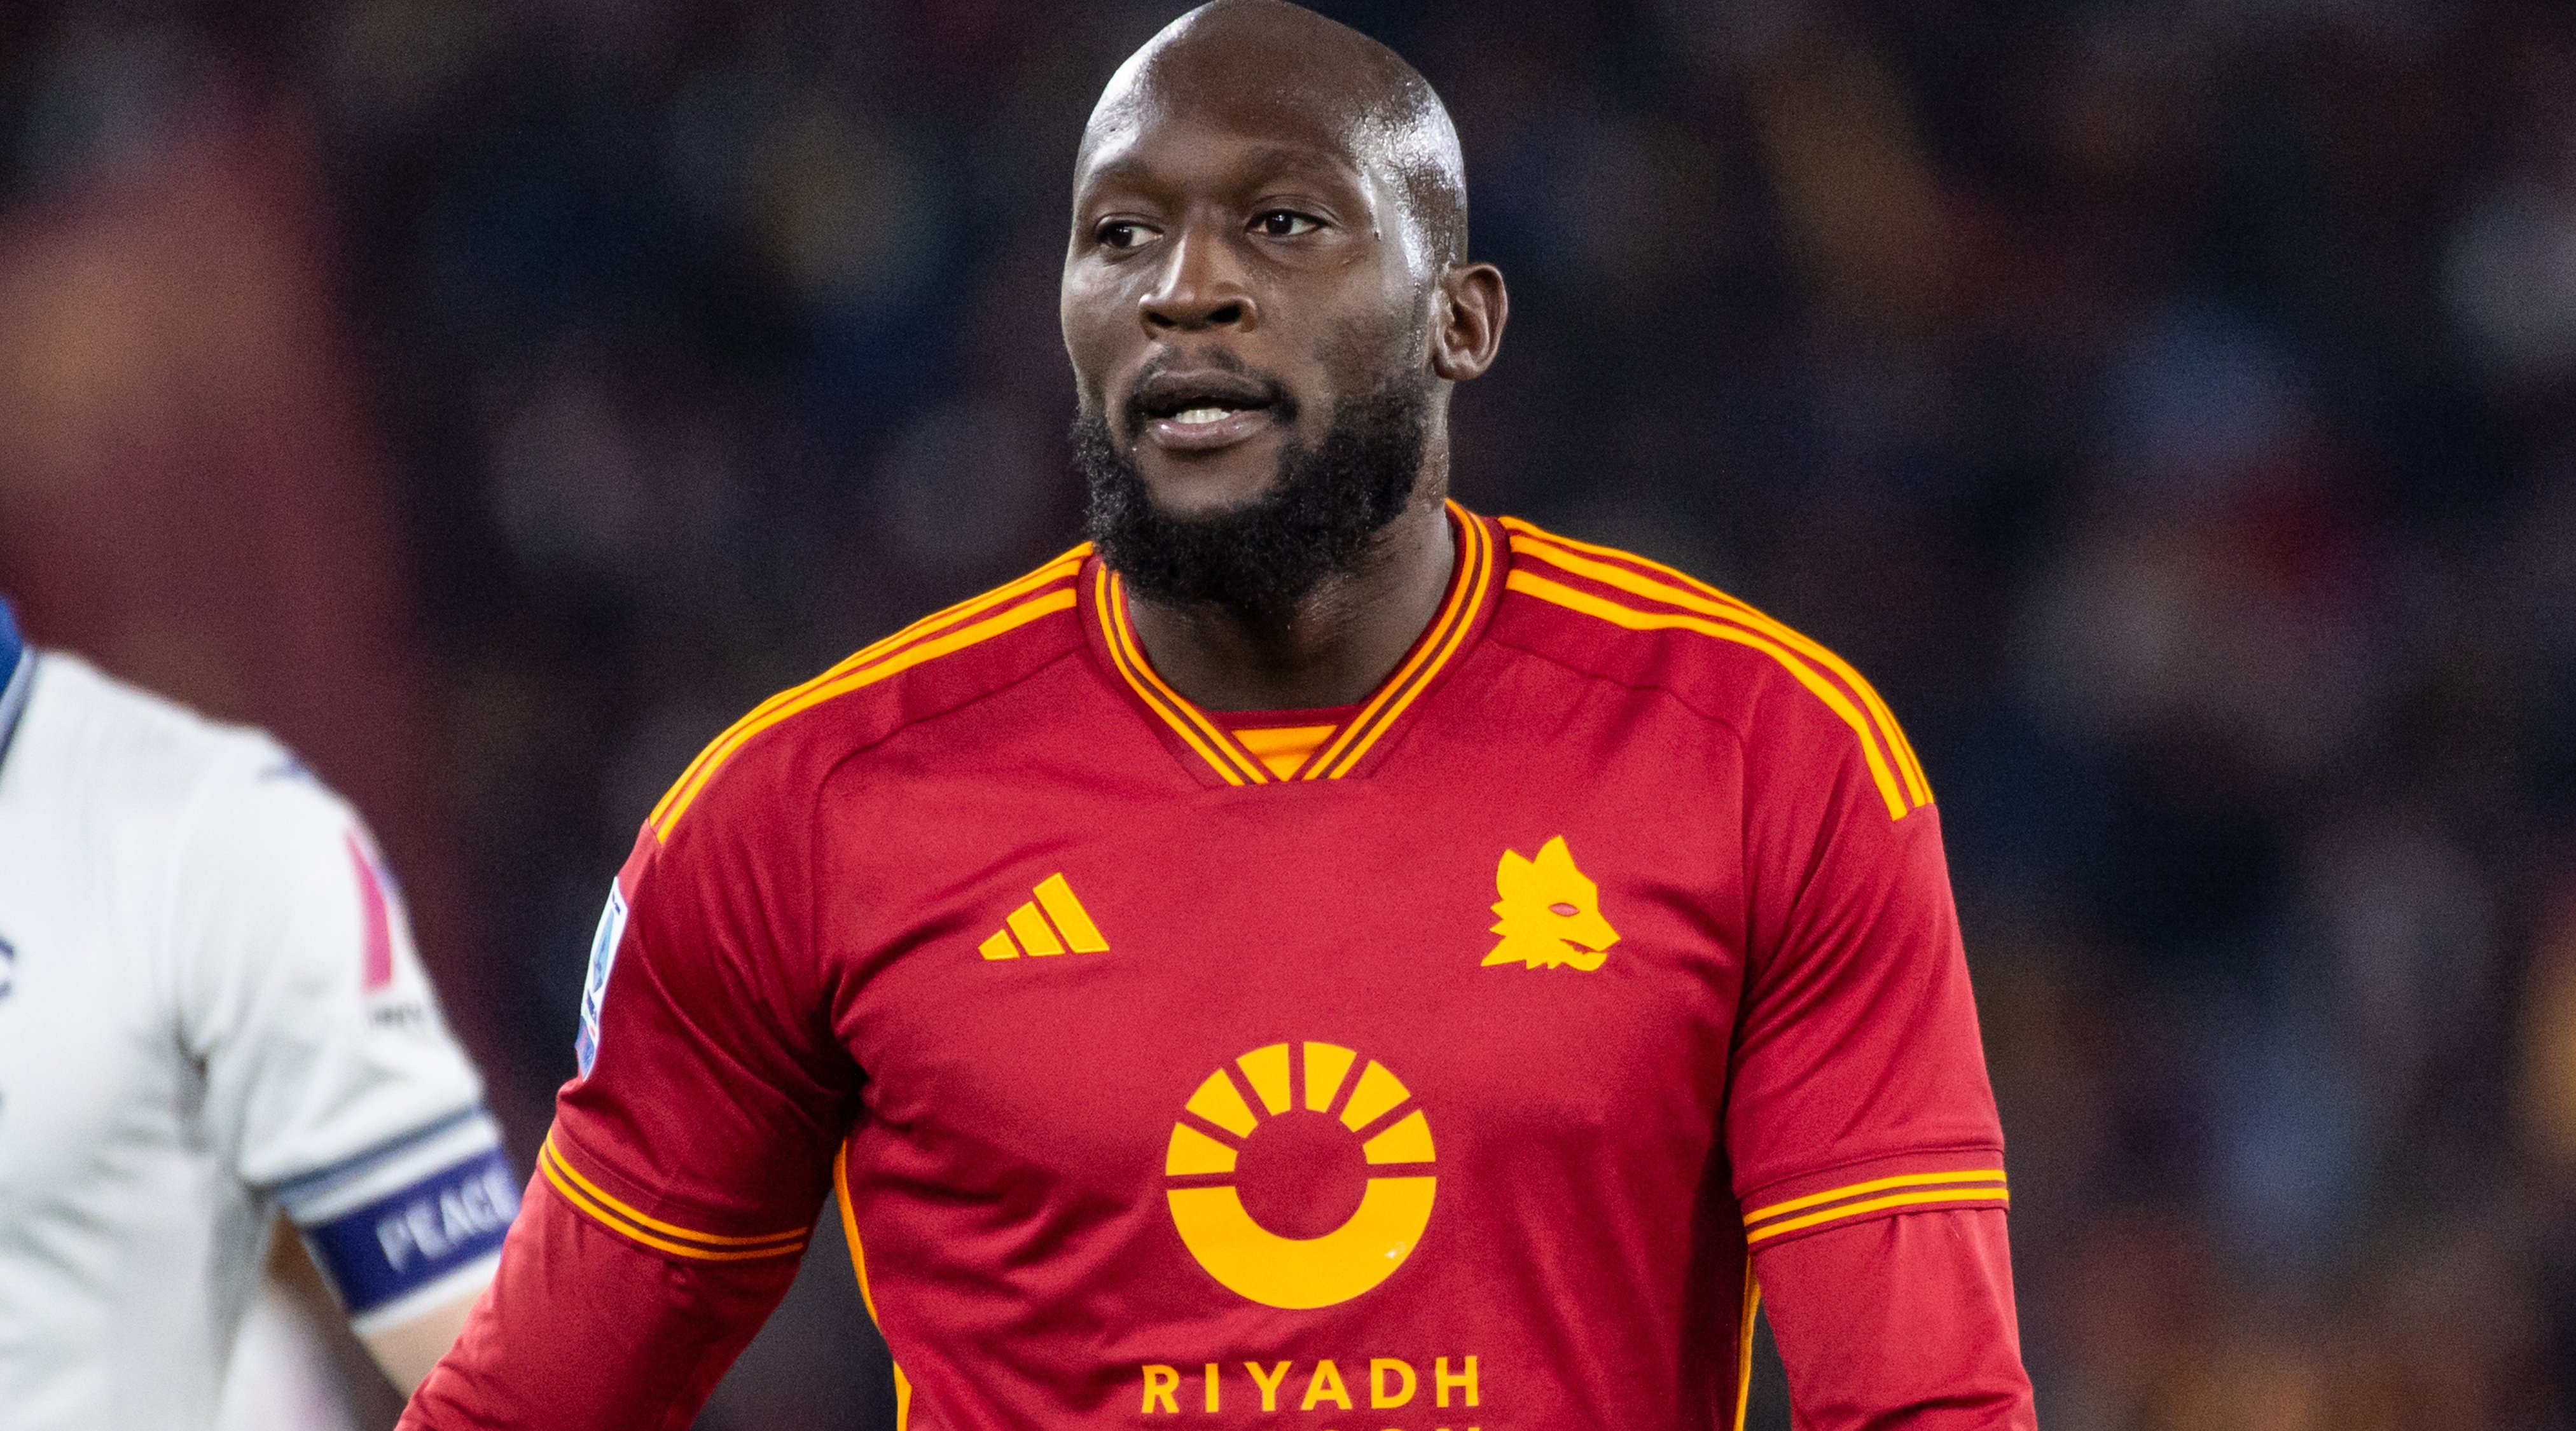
<point>1266,299</point>
<point>1265,67</point>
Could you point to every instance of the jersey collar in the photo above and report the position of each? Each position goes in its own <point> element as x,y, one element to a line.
<point>17,677</point>
<point>1204,743</point>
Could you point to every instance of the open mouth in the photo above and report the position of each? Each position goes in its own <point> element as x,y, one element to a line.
<point>1203,409</point>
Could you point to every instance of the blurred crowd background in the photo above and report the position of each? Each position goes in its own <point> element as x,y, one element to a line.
<point>2172,406</point>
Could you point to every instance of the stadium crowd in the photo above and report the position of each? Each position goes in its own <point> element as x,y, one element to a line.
<point>2171,407</point>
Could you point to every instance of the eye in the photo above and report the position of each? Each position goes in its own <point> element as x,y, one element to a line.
<point>1284,223</point>
<point>1122,233</point>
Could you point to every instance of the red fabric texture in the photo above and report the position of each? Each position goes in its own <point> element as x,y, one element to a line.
<point>1092,1153</point>
<point>1901,1324</point>
<point>584,1328</point>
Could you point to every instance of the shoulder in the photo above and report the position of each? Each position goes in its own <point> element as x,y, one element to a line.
<point>114,753</point>
<point>1615,616</point>
<point>786,746</point>
<point>211,841</point>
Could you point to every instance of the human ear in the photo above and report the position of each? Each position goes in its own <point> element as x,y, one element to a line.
<point>1469,305</point>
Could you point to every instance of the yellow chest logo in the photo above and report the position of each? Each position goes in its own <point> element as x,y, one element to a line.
<point>1314,1120</point>
<point>1549,912</point>
<point>1064,925</point>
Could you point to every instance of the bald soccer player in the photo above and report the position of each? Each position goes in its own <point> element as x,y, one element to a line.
<point>1312,957</point>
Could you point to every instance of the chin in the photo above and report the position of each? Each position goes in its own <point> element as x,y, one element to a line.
<point>1199,489</point>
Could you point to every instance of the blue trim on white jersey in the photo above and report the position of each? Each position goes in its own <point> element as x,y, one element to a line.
<point>409,1238</point>
<point>11,643</point>
<point>17,677</point>
<point>312,1185</point>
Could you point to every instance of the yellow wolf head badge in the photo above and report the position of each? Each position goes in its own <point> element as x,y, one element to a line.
<point>1551,913</point>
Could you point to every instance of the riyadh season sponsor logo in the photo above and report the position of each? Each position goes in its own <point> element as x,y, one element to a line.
<point>1296,1183</point>
<point>1451,1385</point>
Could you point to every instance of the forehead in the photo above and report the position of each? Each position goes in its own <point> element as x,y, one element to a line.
<point>1159,137</point>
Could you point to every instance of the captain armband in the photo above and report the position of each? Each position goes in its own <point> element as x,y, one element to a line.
<point>412,1224</point>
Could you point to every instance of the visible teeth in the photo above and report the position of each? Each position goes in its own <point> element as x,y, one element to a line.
<point>1201,414</point>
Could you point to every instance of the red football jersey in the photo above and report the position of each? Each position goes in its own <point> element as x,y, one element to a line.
<point>1463,1075</point>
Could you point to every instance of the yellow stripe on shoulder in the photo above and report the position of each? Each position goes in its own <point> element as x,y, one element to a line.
<point>1893,764</point>
<point>1890,788</point>
<point>1690,593</point>
<point>1006,608</point>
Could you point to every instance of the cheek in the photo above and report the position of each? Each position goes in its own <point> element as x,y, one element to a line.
<point>1086,312</point>
<point>1365,354</point>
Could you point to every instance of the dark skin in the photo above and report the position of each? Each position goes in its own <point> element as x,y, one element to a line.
<point>1241,217</point>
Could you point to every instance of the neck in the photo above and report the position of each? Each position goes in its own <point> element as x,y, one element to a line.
<point>1333,647</point>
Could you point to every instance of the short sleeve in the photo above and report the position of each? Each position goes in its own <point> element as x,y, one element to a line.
<point>332,1083</point>
<point>709,1096</point>
<point>1858,1086</point>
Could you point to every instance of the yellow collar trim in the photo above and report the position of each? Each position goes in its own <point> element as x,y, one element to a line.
<point>939,634</point>
<point>1448,634</point>
<point>1469,587</point>
<point>1220,750</point>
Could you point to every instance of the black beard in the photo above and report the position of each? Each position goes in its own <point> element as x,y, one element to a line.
<point>1259,560</point>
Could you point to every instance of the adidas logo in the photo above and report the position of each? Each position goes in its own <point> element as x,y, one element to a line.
<point>1063,925</point>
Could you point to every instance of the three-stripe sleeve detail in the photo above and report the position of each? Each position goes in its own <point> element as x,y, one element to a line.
<point>1974,1187</point>
<point>605,1209</point>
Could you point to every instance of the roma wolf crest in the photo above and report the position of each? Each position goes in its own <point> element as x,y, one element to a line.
<point>1550,912</point>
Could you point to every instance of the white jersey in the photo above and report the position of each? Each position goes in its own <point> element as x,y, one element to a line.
<point>210,1009</point>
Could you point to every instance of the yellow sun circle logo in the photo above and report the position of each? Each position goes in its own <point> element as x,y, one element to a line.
<point>1295,1183</point>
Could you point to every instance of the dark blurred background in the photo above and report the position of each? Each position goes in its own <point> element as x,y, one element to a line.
<point>2172,406</point>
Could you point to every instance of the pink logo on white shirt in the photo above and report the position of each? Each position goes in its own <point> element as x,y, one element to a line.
<point>379,918</point>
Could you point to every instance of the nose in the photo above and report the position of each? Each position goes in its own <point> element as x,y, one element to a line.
<point>1201,287</point>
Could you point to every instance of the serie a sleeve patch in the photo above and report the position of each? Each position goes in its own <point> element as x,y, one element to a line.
<point>594,985</point>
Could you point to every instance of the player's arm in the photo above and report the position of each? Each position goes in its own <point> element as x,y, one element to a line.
<point>585,1328</point>
<point>407,1349</point>
<point>688,1158</point>
<point>332,1085</point>
<point>409,1234</point>
<point>1862,1132</point>
<point>1900,1321</point>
